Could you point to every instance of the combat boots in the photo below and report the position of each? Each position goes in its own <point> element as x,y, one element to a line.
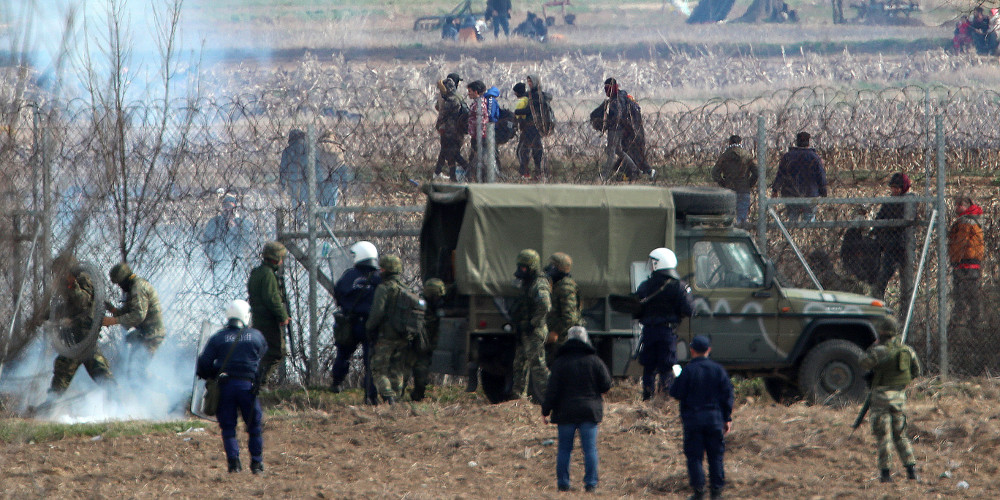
<point>416,395</point>
<point>716,493</point>
<point>886,476</point>
<point>698,494</point>
<point>256,467</point>
<point>235,466</point>
<point>472,376</point>
<point>646,396</point>
<point>911,473</point>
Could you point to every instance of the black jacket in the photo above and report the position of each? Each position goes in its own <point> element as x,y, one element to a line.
<point>705,393</point>
<point>667,307</point>
<point>576,381</point>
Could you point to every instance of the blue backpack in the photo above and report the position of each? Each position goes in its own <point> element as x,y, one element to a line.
<point>491,104</point>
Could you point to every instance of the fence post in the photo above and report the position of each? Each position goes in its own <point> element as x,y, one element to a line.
<point>313,361</point>
<point>943,312</point>
<point>762,205</point>
<point>491,159</point>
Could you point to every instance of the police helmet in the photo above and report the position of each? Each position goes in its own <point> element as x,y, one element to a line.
<point>362,251</point>
<point>238,311</point>
<point>662,258</point>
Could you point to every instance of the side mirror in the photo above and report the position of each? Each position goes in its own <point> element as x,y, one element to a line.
<point>769,273</point>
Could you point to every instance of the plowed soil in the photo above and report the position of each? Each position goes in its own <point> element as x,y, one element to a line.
<point>470,449</point>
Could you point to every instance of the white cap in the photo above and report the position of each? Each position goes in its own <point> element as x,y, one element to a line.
<point>364,250</point>
<point>238,309</point>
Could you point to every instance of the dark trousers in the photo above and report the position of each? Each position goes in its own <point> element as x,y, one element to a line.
<point>965,295</point>
<point>658,357</point>
<point>450,155</point>
<point>235,396</point>
<point>529,147</point>
<point>501,21</point>
<point>701,440</point>
<point>275,353</point>
<point>342,363</point>
<point>893,258</point>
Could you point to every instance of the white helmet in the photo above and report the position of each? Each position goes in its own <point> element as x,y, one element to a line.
<point>364,250</point>
<point>238,310</point>
<point>662,258</point>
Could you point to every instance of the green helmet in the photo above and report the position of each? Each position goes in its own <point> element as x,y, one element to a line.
<point>274,250</point>
<point>561,261</point>
<point>390,264</point>
<point>434,288</point>
<point>120,273</point>
<point>530,259</point>
<point>887,327</point>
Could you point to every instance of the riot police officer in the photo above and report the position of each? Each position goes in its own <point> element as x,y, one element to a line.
<point>354,292</point>
<point>664,301</point>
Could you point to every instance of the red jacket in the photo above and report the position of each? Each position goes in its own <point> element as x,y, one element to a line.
<point>965,239</point>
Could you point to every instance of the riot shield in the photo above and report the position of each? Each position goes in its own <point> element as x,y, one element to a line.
<point>198,385</point>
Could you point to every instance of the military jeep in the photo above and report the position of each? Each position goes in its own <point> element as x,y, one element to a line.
<point>800,341</point>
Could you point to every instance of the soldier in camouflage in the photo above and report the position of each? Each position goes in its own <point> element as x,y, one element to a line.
<point>141,312</point>
<point>893,365</point>
<point>529,314</point>
<point>434,291</point>
<point>76,319</point>
<point>565,303</point>
<point>268,306</point>
<point>393,356</point>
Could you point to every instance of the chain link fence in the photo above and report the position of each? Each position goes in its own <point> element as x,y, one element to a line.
<point>145,181</point>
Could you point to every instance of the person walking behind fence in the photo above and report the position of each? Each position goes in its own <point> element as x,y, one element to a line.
<point>736,169</point>
<point>269,305</point>
<point>621,117</point>
<point>354,292</point>
<point>574,402</point>
<point>529,314</point>
<point>893,365</point>
<point>233,357</point>
<point>498,12</point>
<point>800,175</point>
<point>965,252</point>
<point>893,241</point>
<point>141,314</point>
<point>76,318</point>
<point>706,396</point>
<point>665,301</point>
<point>226,237</point>
<point>393,355</point>
<point>529,142</point>
<point>451,125</point>
<point>479,117</point>
<point>331,174</point>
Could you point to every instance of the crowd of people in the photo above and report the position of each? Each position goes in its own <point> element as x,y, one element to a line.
<point>978,31</point>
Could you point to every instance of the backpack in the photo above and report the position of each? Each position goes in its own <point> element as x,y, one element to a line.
<point>407,318</point>
<point>462,119</point>
<point>541,113</point>
<point>506,127</point>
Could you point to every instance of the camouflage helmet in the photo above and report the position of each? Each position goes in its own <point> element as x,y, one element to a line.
<point>561,261</point>
<point>530,259</point>
<point>434,288</point>
<point>887,327</point>
<point>120,273</point>
<point>390,264</point>
<point>274,250</point>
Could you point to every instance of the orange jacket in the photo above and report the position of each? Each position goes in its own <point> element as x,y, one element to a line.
<point>965,240</point>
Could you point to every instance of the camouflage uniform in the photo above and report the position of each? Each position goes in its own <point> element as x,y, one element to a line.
<point>268,310</point>
<point>893,364</point>
<point>393,357</point>
<point>142,312</point>
<point>529,313</point>
<point>434,291</point>
<point>78,298</point>
<point>565,303</point>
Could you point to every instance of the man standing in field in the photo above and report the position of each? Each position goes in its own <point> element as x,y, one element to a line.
<point>800,175</point>
<point>354,292</point>
<point>434,291</point>
<point>893,241</point>
<point>665,301</point>
<point>736,169</point>
<point>965,252</point>
<point>498,12</point>
<point>529,315</point>
<point>621,117</point>
<point>565,303</point>
<point>706,396</point>
<point>893,365</point>
<point>449,126</point>
<point>268,306</point>
<point>141,312</point>
<point>391,362</point>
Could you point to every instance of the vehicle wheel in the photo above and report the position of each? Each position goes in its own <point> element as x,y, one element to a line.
<point>700,200</point>
<point>494,386</point>
<point>831,374</point>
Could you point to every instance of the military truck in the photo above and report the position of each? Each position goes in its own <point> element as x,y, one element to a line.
<point>801,341</point>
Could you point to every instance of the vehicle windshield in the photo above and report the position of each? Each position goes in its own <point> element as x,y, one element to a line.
<point>726,264</point>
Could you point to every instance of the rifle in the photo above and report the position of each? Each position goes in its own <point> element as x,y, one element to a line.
<point>867,405</point>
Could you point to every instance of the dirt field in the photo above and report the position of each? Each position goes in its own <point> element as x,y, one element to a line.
<point>466,449</point>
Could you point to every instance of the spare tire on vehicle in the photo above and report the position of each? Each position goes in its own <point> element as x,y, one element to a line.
<point>703,200</point>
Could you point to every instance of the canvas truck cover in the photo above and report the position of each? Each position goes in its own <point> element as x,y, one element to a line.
<point>471,234</point>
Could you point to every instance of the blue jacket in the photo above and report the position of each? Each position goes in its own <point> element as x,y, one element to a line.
<point>800,174</point>
<point>491,103</point>
<point>705,393</point>
<point>355,290</point>
<point>667,307</point>
<point>245,359</point>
